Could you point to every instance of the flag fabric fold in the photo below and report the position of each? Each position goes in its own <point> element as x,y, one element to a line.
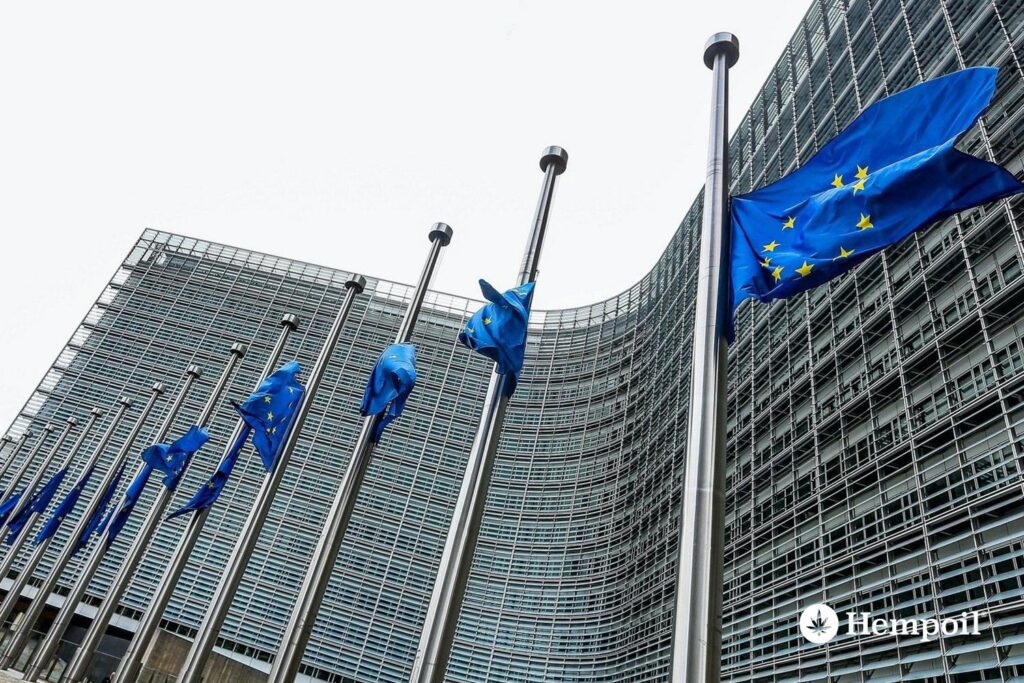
<point>208,493</point>
<point>173,458</point>
<point>891,172</point>
<point>103,504</point>
<point>36,504</point>
<point>498,330</point>
<point>389,386</point>
<point>269,411</point>
<point>9,505</point>
<point>64,508</point>
<point>118,516</point>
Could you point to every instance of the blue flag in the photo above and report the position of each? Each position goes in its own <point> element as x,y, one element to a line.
<point>173,458</point>
<point>498,330</point>
<point>208,493</point>
<point>269,411</point>
<point>893,171</point>
<point>65,508</point>
<point>96,519</point>
<point>389,386</point>
<point>36,504</point>
<point>117,517</point>
<point>8,506</point>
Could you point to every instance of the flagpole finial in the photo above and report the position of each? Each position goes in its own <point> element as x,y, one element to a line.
<point>157,388</point>
<point>441,232</point>
<point>356,282</point>
<point>125,401</point>
<point>239,349</point>
<point>557,156</point>
<point>291,320</point>
<point>97,411</point>
<point>71,421</point>
<point>722,43</point>
<point>194,370</point>
<point>49,427</point>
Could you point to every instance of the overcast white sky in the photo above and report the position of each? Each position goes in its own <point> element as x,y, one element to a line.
<point>338,132</point>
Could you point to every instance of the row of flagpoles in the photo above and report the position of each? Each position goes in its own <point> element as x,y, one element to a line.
<point>271,420</point>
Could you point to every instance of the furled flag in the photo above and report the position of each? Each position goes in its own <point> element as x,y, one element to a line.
<point>209,492</point>
<point>893,171</point>
<point>173,458</point>
<point>36,504</point>
<point>498,330</point>
<point>8,506</point>
<point>389,386</point>
<point>117,517</point>
<point>65,508</point>
<point>100,511</point>
<point>269,411</point>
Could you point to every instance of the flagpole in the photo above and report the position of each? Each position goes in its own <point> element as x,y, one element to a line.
<point>48,647</point>
<point>130,667</point>
<point>14,452</point>
<point>79,664</point>
<point>15,546</point>
<point>697,633</point>
<point>12,487</point>
<point>303,616</point>
<point>449,586</point>
<point>23,577</point>
<point>206,636</point>
<point>67,610</point>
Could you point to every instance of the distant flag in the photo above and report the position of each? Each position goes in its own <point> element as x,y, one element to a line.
<point>392,380</point>
<point>37,504</point>
<point>96,520</point>
<point>8,506</point>
<point>498,330</point>
<point>893,171</point>
<point>171,459</point>
<point>208,493</point>
<point>117,517</point>
<point>269,411</point>
<point>65,508</point>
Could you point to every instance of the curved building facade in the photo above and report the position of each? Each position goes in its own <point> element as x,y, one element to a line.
<point>875,426</point>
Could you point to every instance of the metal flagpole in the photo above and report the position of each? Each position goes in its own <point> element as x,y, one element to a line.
<point>303,616</point>
<point>464,530</point>
<point>697,635</point>
<point>79,665</point>
<point>48,647</point>
<point>37,478</point>
<point>14,594</point>
<point>14,452</point>
<point>130,666</point>
<point>20,472</point>
<point>206,636</point>
<point>67,611</point>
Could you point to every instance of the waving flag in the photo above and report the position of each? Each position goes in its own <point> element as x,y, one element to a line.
<point>269,411</point>
<point>498,330</point>
<point>65,508</point>
<point>117,517</point>
<point>389,386</point>
<point>173,458</point>
<point>209,492</point>
<point>37,504</point>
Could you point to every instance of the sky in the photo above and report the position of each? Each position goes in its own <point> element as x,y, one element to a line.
<point>337,133</point>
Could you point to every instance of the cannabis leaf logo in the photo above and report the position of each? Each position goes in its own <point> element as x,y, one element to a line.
<point>819,625</point>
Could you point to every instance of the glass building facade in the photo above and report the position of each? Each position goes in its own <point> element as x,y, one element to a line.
<point>875,425</point>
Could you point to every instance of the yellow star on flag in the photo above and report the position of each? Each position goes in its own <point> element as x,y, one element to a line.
<point>470,330</point>
<point>859,185</point>
<point>844,253</point>
<point>487,321</point>
<point>838,181</point>
<point>767,263</point>
<point>865,222</point>
<point>270,416</point>
<point>788,225</point>
<point>862,172</point>
<point>805,269</point>
<point>266,399</point>
<point>771,246</point>
<point>777,273</point>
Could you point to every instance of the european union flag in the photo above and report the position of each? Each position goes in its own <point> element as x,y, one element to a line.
<point>8,505</point>
<point>117,517</point>
<point>269,411</point>
<point>208,493</point>
<point>498,330</point>
<point>95,522</point>
<point>173,458</point>
<point>37,504</point>
<point>389,386</point>
<point>893,171</point>
<point>65,508</point>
